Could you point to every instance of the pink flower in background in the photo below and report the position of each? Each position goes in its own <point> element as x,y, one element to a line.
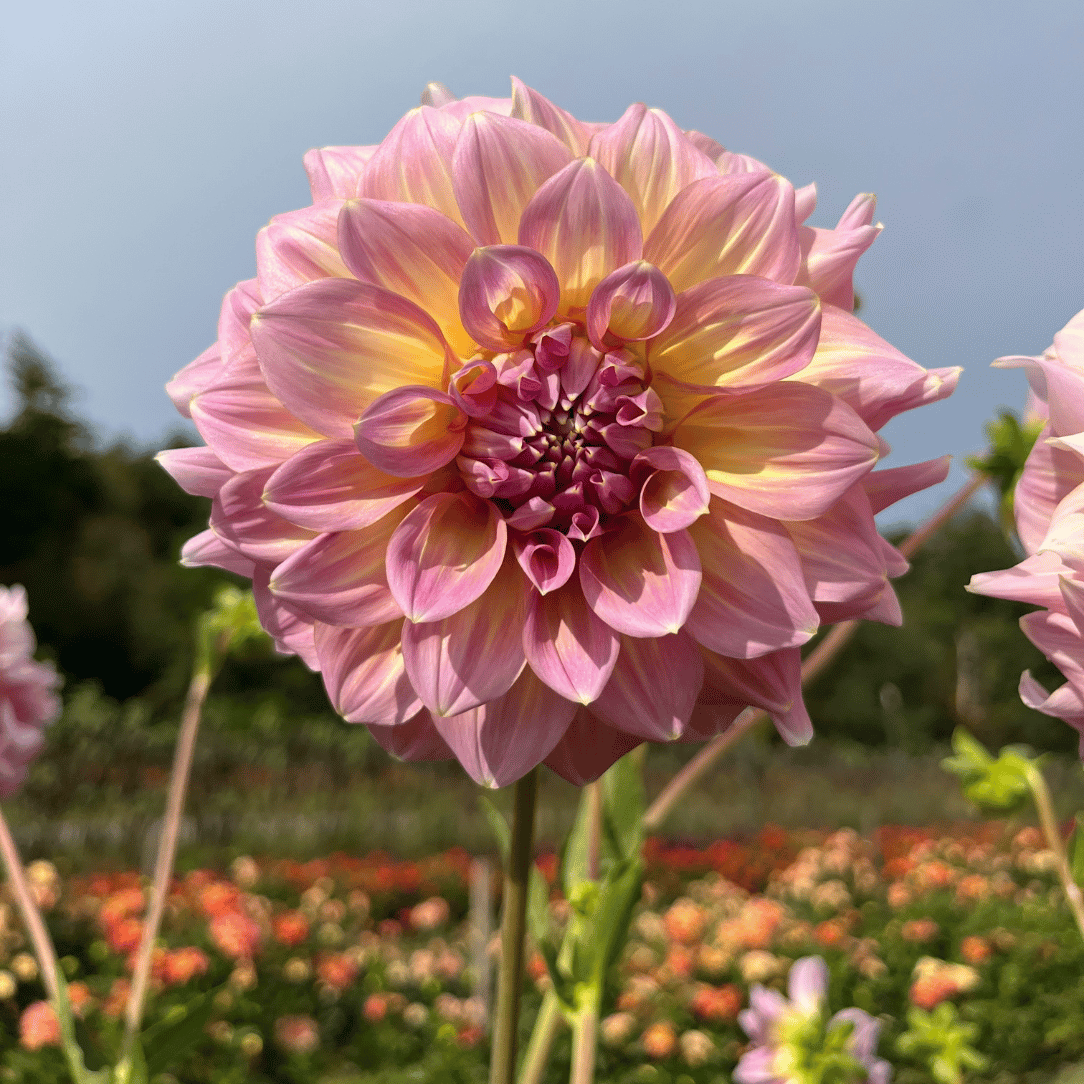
<point>540,439</point>
<point>1049,509</point>
<point>28,700</point>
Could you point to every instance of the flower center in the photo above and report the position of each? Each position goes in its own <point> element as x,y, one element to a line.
<point>556,448</point>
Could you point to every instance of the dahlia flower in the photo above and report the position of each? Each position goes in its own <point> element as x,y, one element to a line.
<point>28,701</point>
<point>1049,511</point>
<point>793,1043</point>
<point>540,439</point>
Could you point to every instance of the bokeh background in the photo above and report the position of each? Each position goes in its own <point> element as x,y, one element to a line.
<point>145,144</point>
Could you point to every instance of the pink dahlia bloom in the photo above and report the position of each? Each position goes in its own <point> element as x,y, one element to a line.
<point>534,435</point>
<point>1049,508</point>
<point>28,701</point>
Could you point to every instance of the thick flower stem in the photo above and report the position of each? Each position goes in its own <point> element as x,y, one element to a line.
<point>502,1066</point>
<point>1047,818</point>
<point>545,1030</point>
<point>812,665</point>
<point>585,1043</point>
<point>163,867</point>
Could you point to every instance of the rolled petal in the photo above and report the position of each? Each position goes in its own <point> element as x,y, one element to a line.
<point>829,258</point>
<point>589,747</point>
<point>328,486</point>
<point>741,224</point>
<point>788,451</point>
<point>631,304</point>
<point>196,470</point>
<point>299,247</point>
<point>547,558</point>
<point>411,431</point>
<point>240,518</point>
<point>582,221</point>
<point>245,425</point>
<point>739,332</point>
<point>1059,386</point>
<point>805,202</point>
<point>193,378</point>
<point>414,162</point>
<point>753,598</point>
<point>445,554</point>
<point>675,493</point>
<point>507,292</point>
<point>413,251</point>
<point>1066,702</point>
<point>640,582</point>
<point>475,655</point>
<point>637,701</point>
<point>651,158</point>
<point>334,172</point>
<point>567,646</point>
<point>1072,593</point>
<point>1057,637</point>
<point>364,674</point>
<point>870,375</point>
<point>474,388</point>
<point>416,739</point>
<point>1036,580</point>
<point>340,577</point>
<point>529,105</point>
<point>885,487</point>
<point>501,741</point>
<point>206,549</point>
<point>859,212</point>
<point>330,348</point>
<point>499,164</point>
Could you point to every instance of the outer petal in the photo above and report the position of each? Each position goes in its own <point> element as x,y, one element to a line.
<point>239,518</point>
<point>1036,580</point>
<point>807,983</point>
<point>588,748</point>
<point>885,487</point>
<point>772,682</point>
<point>292,631</point>
<point>414,162</point>
<point>445,554</point>
<point>738,331</point>
<point>753,598</point>
<point>196,470</point>
<point>788,451</point>
<point>829,258</point>
<point>504,739</point>
<point>870,375</point>
<point>499,164</point>
<point>1049,475</point>
<point>639,582</point>
<point>340,577</point>
<point>1058,638</point>
<point>582,221</point>
<point>737,225</point>
<point>329,486</point>
<point>334,171</point>
<point>299,247</point>
<point>529,105</point>
<point>207,549</point>
<point>234,318</point>
<point>411,431</point>
<point>654,687</point>
<point>567,646</point>
<point>1059,386</point>
<point>364,673</point>
<point>414,251</point>
<point>330,348</point>
<point>416,739</point>
<point>475,655</point>
<point>193,378</point>
<point>651,158</point>
<point>245,424</point>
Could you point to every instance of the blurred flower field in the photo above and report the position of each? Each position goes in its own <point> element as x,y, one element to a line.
<point>352,969</point>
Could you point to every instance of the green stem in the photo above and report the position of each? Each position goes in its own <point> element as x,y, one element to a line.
<point>585,1042</point>
<point>502,1065</point>
<point>1049,821</point>
<point>546,1026</point>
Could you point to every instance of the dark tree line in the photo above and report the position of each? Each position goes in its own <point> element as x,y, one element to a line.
<point>94,534</point>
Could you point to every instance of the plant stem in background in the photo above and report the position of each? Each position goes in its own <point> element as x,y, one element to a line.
<point>167,852</point>
<point>502,1066</point>
<point>545,1030</point>
<point>812,665</point>
<point>28,909</point>
<point>585,1041</point>
<point>1047,818</point>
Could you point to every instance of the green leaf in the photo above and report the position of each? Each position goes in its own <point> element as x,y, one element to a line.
<point>499,827</point>
<point>574,852</point>
<point>1010,443</point>
<point>613,914</point>
<point>624,803</point>
<point>165,1041</point>
<point>1075,849</point>
<point>999,785</point>
<point>73,1052</point>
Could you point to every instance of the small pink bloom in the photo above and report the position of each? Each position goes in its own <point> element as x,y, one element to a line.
<point>522,412</point>
<point>38,1026</point>
<point>234,934</point>
<point>297,1034</point>
<point>28,701</point>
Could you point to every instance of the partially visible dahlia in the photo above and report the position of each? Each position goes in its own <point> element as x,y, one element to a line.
<point>534,435</point>
<point>1049,509</point>
<point>28,701</point>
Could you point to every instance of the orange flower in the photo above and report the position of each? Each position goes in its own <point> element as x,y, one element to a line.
<point>290,928</point>
<point>660,1041</point>
<point>183,964</point>
<point>337,970</point>
<point>38,1026</point>
<point>234,934</point>
<point>717,1004</point>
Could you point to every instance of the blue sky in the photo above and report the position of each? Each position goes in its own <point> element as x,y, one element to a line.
<point>146,143</point>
